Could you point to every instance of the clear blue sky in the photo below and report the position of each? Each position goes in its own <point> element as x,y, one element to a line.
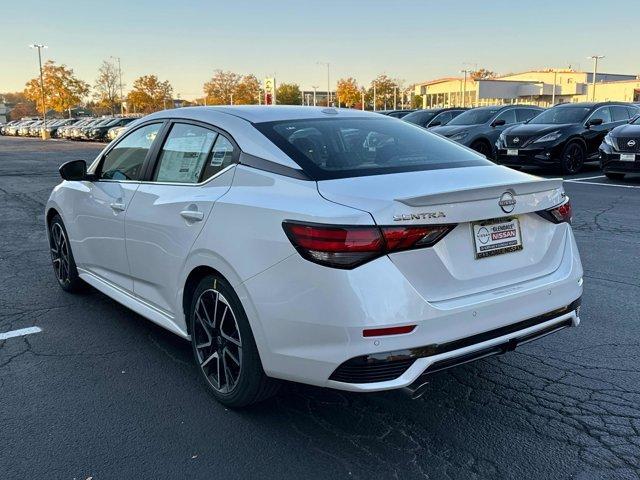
<point>184,41</point>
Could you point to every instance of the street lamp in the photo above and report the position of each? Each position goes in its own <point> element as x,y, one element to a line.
<point>464,87</point>
<point>315,90</point>
<point>595,59</point>
<point>45,134</point>
<point>328,83</point>
<point>120,78</point>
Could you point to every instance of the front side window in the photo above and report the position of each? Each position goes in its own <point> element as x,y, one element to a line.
<point>475,116</point>
<point>443,118</point>
<point>125,160</point>
<point>419,117</point>
<point>561,115</point>
<point>192,154</point>
<point>603,113</point>
<point>346,147</point>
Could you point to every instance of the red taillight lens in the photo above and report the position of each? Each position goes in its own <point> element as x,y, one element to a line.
<point>350,246</point>
<point>559,214</point>
<point>380,332</point>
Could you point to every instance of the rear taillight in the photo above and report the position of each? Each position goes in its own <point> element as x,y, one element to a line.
<point>558,214</point>
<point>350,246</point>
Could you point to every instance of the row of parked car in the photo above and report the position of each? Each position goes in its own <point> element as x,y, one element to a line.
<point>85,128</point>
<point>565,136</point>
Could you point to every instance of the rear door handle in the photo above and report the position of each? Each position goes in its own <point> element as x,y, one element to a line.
<point>117,206</point>
<point>192,215</point>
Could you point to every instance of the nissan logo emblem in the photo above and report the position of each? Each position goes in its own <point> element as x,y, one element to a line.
<point>631,143</point>
<point>507,202</point>
<point>516,140</point>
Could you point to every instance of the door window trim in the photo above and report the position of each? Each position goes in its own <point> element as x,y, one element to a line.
<point>153,164</point>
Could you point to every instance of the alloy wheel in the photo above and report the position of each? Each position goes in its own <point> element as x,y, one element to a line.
<point>60,254</point>
<point>218,343</point>
<point>573,158</point>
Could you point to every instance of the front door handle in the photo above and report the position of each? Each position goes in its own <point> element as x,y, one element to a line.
<point>117,206</point>
<point>192,215</point>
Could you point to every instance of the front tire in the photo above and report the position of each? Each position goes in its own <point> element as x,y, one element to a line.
<point>572,158</point>
<point>482,147</point>
<point>64,265</point>
<point>224,348</point>
<point>614,176</point>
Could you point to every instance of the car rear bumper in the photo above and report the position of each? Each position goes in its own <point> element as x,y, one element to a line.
<point>310,320</point>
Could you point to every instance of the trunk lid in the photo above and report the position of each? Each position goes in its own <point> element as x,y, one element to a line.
<point>461,196</point>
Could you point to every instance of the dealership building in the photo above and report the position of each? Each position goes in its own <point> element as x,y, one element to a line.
<point>538,87</point>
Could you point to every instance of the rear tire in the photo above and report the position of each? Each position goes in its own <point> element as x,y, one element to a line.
<point>614,176</point>
<point>224,348</point>
<point>572,158</point>
<point>64,265</point>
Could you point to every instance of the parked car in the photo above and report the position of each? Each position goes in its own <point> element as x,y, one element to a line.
<point>432,117</point>
<point>99,132</point>
<point>620,149</point>
<point>23,128</point>
<point>326,260</point>
<point>395,113</point>
<point>565,136</point>
<point>66,130</point>
<point>4,130</point>
<point>76,132</point>
<point>52,128</point>
<point>480,127</point>
<point>115,132</point>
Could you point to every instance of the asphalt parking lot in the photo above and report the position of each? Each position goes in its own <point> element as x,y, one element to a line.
<point>100,392</point>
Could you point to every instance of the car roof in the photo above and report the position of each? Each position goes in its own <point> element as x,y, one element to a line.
<point>588,104</point>
<point>261,113</point>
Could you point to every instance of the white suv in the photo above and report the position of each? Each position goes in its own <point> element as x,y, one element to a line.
<point>337,248</point>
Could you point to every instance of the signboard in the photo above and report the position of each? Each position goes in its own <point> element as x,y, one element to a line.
<point>269,91</point>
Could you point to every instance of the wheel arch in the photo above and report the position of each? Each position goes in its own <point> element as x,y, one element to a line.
<point>575,139</point>
<point>190,284</point>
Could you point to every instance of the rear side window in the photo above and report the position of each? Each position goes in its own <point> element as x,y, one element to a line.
<point>346,147</point>
<point>192,154</point>
<point>524,114</point>
<point>125,160</point>
<point>509,116</point>
<point>602,113</point>
<point>619,113</point>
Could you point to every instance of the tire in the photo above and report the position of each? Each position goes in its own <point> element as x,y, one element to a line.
<point>64,265</point>
<point>572,158</point>
<point>614,176</point>
<point>224,349</point>
<point>482,147</point>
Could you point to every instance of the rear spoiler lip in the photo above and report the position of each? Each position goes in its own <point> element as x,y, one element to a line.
<point>484,192</point>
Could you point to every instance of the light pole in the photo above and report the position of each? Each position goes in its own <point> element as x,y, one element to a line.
<point>553,92</point>
<point>315,90</point>
<point>120,80</point>
<point>45,135</point>
<point>464,87</point>
<point>328,82</point>
<point>595,59</point>
<point>374,96</point>
<point>395,98</point>
<point>362,99</point>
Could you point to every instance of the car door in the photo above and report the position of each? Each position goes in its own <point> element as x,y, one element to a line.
<point>194,167</point>
<point>596,133</point>
<point>100,206</point>
<point>509,117</point>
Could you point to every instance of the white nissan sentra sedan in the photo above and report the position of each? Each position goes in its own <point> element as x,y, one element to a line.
<point>331,247</point>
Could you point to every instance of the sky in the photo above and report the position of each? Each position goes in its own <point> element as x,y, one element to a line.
<point>185,41</point>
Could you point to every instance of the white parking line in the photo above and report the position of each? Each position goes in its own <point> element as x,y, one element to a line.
<point>603,184</point>
<point>20,333</point>
<point>584,178</point>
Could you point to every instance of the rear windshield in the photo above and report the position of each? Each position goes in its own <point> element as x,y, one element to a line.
<point>476,116</point>
<point>347,147</point>
<point>561,115</point>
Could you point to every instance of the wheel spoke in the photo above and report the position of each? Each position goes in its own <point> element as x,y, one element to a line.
<point>211,357</point>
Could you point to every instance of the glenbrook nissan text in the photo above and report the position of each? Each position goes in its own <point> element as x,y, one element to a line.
<point>338,248</point>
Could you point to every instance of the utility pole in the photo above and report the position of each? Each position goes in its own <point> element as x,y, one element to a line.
<point>395,98</point>
<point>595,59</point>
<point>328,82</point>
<point>362,99</point>
<point>231,98</point>
<point>464,87</point>
<point>315,90</point>
<point>374,96</point>
<point>45,135</point>
<point>553,93</point>
<point>120,80</point>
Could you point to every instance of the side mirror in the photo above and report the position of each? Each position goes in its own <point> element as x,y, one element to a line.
<point>498,122</point>
<point>594,121</point>
<point>435,124</point>
<point>75,170</point>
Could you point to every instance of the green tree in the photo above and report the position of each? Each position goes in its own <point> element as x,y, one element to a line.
<point>482,74</point>
<point>149,94</point>
<point>288,94</point>
<point>384,88</point>
<point>62,89</point>
<point>221,87</point>
<point>348,92</point>
<point>247,91</point>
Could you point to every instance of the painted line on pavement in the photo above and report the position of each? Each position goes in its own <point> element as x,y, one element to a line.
<point>603,184</point>
<point>20,333</point>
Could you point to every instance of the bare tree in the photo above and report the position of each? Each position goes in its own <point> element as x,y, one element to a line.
<point>107,86</point>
